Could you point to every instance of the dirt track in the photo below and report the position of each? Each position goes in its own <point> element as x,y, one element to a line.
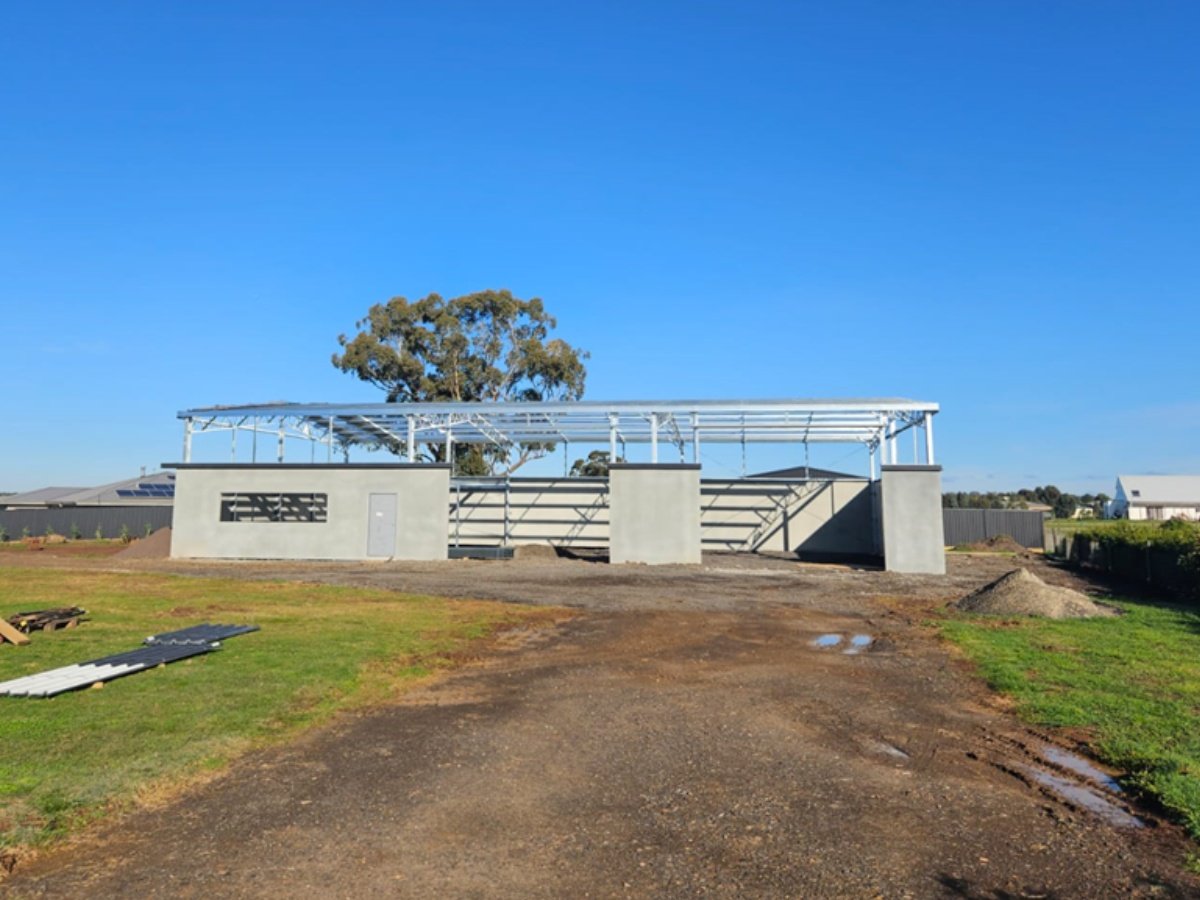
<point>682,736</point>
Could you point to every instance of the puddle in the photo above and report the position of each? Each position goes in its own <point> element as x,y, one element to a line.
<point>858,644</point>
<point>827,640</point>
<point>1085,798</point>
<point>1079,766</point>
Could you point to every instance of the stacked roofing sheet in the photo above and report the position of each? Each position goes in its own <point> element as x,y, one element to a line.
<point>159,650</point>
<point>200,634</point>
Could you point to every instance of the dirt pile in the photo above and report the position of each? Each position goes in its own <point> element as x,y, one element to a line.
<point>1001,543</point>
<point>157,546</point>
<point>1021,593</point>
<point>535,551</point>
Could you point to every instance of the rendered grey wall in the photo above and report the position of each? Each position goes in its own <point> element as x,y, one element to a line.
<point>913,537</point>
<point>421,529</point>
<point>654,514</point>
<point>814,519</point>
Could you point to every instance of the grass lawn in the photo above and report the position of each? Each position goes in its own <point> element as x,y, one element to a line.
<point>1132,683</point>
<point>1070,526</point>
<point>65,760</point>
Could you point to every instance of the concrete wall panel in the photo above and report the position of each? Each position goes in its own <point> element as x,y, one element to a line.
<point>913,537</point>
<point>422,493</point>
<point>654,514</point>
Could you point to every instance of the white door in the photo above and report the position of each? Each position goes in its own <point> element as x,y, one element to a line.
<point>381,525</point>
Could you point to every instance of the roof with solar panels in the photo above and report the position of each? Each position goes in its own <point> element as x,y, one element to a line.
<point>155,489</point>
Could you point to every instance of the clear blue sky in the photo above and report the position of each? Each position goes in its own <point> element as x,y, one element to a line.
<point>990,205</point>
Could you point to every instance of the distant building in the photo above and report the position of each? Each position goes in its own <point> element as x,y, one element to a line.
<point>156,489</point>
<point>1155,497</point>
<point>805,473</point>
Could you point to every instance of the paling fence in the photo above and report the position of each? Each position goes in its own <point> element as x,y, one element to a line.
<point>1161,566</point>
<point>111,521</point>
<point>968,526</point>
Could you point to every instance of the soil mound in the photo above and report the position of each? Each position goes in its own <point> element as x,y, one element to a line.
<point>534,551</point>
<point>1001,543</point>
<point>157,546</point>
<point>1021,593</point>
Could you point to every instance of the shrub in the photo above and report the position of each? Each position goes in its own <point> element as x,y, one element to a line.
<point>75,533</point>
<point>25,532</point>
<point>1128,547</point>
<point>3,534</point>
<point>98,534</point>
<point>147,530</point>
<point>124,534</point>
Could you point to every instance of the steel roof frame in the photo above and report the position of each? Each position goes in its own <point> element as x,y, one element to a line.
<point>401,427</point>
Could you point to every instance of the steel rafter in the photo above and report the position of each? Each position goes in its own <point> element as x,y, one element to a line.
<point>872,422</point>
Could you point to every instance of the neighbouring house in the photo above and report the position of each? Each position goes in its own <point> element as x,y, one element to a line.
<point>1155,497</point>
<point>132,507</point>
<point>155,489</point>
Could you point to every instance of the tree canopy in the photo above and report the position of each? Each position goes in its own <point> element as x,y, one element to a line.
<point>1062,503</point>
<point>594,466</point>
<point>486,346</point>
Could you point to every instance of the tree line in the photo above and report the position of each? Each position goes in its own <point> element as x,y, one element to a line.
<point>1064,505</point>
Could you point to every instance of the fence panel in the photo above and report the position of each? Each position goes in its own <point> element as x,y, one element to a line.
<point>1162,567</point>
<point>86,521</point>
<point>968,526</point>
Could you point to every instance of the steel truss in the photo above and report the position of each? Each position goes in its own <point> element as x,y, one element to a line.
<point>402,427</point>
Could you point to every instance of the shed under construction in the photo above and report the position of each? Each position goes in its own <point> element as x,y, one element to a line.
<point>660,510</point>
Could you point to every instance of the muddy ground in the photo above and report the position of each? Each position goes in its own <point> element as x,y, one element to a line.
<point>682,735</point>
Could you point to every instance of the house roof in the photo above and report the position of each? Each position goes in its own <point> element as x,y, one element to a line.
<point>1160,490</point>
<point>40,497</point>
<point>811,473</point>
<point>156,489</point>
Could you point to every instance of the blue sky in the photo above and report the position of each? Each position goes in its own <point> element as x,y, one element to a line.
<point>989,205</point>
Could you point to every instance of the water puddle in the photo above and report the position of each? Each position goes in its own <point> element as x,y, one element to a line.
<point>827,640</point>
<point>1085,798</point>
<point>858,643</point>
<point>1079,766</point>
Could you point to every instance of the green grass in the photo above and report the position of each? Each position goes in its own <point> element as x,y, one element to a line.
<point>1132,683</point>
<point>1070,526</point>
<point>66,760</point>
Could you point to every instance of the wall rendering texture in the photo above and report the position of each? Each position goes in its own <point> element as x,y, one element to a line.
<point>654,511</point>
<point>225,511</point>
<point>913,536</point>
